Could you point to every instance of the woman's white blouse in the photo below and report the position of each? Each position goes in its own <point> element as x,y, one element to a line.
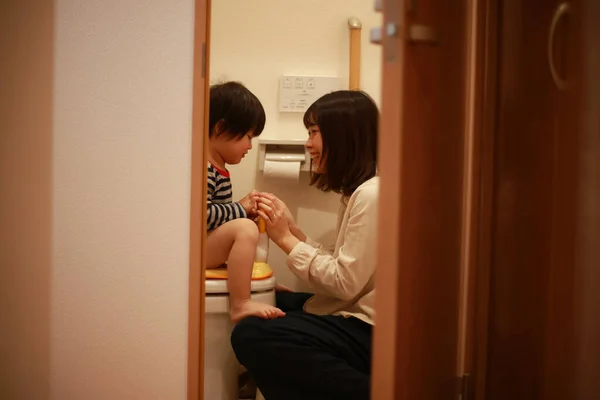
<point>344,281</point>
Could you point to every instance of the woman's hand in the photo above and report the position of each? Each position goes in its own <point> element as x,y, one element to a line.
<point>280,204</point>
<point>274,215</point>
<point>278,229</point>
<point>286,212</point>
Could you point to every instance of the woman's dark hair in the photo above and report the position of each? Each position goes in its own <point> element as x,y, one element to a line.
<point>234,111</point>
<point>348,121</point>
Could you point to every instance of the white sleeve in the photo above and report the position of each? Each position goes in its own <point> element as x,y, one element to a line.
<point>319,246</point>
<point>347,274</point>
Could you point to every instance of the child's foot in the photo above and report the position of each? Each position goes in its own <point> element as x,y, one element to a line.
<point>256,309</point>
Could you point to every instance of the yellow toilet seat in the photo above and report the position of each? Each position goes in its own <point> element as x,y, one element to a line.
<point>260,271</point>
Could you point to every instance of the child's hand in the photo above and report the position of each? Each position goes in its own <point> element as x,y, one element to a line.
<point>249,203</point>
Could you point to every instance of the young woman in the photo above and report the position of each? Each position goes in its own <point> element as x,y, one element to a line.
<point>321,349</point>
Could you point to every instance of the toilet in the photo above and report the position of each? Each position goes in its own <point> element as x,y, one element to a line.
<point>221,368</point>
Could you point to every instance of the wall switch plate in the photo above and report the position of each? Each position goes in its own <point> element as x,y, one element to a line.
<point>297,93</point>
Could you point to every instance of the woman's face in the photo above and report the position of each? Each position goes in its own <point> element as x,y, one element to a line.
<point>314,145</point>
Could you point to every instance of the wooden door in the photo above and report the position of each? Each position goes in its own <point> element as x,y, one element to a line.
<point>537,251</point>
<point>421,166</point>
<point>587,365</point>
<point>524,169</point>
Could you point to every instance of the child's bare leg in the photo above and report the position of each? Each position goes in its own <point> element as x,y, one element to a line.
<point>235,242</point>
<point>239,264</point>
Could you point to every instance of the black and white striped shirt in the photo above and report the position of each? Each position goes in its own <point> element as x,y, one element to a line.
<point>221,208</point>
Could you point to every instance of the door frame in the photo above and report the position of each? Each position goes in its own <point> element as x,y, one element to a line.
<point>384,382</point>
<point>478,170</point>
<point>199,157</point>
<point>474,175</point>
<point>481,175</point>
<point>485,127</point>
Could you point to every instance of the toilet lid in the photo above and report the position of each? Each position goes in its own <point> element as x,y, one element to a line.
<point>216,286</point>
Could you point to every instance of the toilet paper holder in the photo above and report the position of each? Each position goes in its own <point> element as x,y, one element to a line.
<point>283,150</point>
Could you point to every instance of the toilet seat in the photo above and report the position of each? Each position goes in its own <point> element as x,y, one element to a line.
<point>219,286</point>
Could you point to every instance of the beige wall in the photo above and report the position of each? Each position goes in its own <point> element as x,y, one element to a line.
<point>26,40</point>
<point>95,178</point>
<point>122,134</point>
<point>257,41</point>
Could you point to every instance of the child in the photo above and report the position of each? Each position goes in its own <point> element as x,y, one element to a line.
<point>236,116</point>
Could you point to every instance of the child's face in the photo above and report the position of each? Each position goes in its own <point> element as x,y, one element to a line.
<point>314,145</point>
<point>232,150</point>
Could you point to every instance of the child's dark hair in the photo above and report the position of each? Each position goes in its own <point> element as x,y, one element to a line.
<point>234,111</point>
<point>348,121</point>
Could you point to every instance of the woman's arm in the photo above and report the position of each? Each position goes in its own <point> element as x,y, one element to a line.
<point>298,233</point>
<point>294,229</point>
<point>345,275</point>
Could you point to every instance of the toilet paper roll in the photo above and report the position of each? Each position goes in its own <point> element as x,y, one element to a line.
<point>282,170</point>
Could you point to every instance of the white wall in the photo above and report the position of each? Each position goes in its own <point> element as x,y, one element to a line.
<point>121,192</point>
<point>257,41</point>
<point>95,171</point>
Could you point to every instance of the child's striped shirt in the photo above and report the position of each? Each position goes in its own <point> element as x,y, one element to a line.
<point>221,208</point>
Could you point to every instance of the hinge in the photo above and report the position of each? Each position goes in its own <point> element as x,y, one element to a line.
<point>464,388</point>
<point>204,60</point>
